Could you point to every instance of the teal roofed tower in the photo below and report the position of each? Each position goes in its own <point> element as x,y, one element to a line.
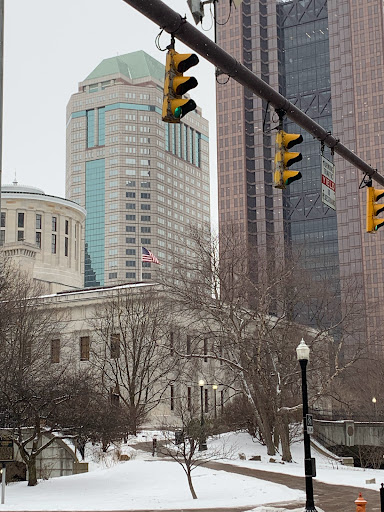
<point>132,65</point>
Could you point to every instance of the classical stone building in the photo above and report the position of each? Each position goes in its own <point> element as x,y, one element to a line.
<point>44,234</point>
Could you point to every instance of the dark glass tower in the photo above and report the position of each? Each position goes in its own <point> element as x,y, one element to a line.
<point>326,58</point>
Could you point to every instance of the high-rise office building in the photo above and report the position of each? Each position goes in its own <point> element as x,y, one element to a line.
<point>326,58</point>
<point>142,181</point>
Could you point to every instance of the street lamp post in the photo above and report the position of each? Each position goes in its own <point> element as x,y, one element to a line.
<point>374,406</point>
<point>303,357</point>
<point>203,440</point>
<point>214,387</point>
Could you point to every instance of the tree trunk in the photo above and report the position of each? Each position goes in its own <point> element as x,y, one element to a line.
<point>32,477</point>
<point>194,496</point>
<point>271,450</point>
<point>284,437</point>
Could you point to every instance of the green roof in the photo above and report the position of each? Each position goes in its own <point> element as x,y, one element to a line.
<point>133,65</point>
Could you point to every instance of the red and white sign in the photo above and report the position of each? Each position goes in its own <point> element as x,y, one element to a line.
<point>328,185</point>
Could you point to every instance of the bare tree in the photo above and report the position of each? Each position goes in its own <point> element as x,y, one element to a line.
<point>254,317</point>
<point>183,445</point>
<point>32,388</point>
<point>132,351</point>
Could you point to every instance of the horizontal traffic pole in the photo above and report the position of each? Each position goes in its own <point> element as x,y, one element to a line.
<point>173,23</point>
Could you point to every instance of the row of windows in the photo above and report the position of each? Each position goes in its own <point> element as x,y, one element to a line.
<point>132,206</point>
<point>132,229</point>
<point>144,241</point>
<point>205,402</point>
<point>21,221</point>
<point>144,218</point>
<point>114,348</point>
<point>143,195</point>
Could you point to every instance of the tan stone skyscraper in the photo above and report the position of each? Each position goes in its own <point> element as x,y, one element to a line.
<point>142,181</point>
<point>327,58</point>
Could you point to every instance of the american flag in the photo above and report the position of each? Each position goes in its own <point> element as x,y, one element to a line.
<point>147,255</point>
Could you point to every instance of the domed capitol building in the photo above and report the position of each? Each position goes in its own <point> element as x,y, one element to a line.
<point>45,234</point>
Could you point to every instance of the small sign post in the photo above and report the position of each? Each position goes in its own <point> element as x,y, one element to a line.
<point>309,421</point>
<point>6,455</point>
<point>328,183</point>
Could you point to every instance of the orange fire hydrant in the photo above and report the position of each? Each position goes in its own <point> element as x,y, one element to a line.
<point>360,503</point>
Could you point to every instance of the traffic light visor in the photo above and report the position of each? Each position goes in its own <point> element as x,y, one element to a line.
<point>181,107</point>
<point>184,61</point>
<point>287,158</point>
<point>183,84</point>
<point>288,140</point>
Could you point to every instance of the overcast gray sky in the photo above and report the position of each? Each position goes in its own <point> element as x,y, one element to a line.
<point>49,47</point>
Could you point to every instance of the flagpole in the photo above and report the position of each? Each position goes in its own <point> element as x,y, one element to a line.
<point>141,264</point>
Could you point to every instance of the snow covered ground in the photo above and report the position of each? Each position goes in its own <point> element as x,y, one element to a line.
<point>145,482</point>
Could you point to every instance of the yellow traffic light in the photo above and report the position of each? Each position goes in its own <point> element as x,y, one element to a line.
<point>285,158</point>
<point>374,209</point>
<point>176,85</point>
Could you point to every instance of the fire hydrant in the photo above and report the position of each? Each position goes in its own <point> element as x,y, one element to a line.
<point>360,503</point>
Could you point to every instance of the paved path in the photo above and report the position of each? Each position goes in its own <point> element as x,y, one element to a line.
<point>330,498</point>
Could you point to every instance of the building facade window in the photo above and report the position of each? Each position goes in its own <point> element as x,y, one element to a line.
<point>3,218</point>
<point>84,348</point>
<point>38,221</point>
<point>115,346</point>
<point>54,223</point>
<point>55,351</point>
<point>20,236</point>
<point>90,128</point>
<point>38,239</point>
<point>54,247</point>
<point>20,220</point>
<point>101,126</point>
<point>66,244</point>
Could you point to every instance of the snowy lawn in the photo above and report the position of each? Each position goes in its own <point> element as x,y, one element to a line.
<point>144,484</point>
<point>150,483</point>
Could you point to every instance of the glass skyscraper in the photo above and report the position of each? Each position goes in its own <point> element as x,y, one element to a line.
<point>326,58</point>
<point>142,181</point>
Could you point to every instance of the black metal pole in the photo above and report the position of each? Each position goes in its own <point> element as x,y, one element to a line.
<point>309,504</point>
<point>382,498</point>
<point>203,441</point>
<point>214,396</point>
<point>173,23</point>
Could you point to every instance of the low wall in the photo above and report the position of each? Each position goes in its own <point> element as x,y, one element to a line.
<point>349,433</point>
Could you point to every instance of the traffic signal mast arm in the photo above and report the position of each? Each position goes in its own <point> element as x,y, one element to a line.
<point>173,23</point>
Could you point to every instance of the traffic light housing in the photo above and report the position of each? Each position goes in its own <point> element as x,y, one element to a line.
<point>374,209</point>
<point>285,158</point>
<point>176,85</point>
